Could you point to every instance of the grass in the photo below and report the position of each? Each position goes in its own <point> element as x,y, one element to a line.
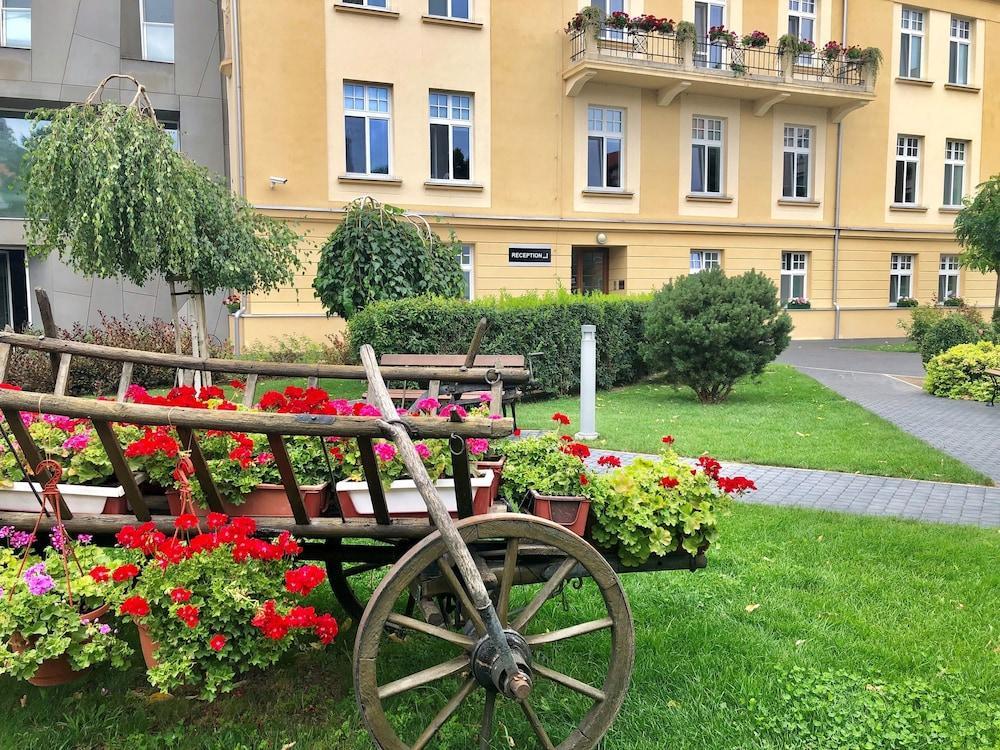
<point>785,419</point>
<point>884,601</point>
<point>887,346</point>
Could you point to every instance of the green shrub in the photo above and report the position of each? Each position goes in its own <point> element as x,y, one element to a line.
<point>948,331</point>
<point>547,323</point>
<point>331,351</point>
<point>707,331</point>
<point>538,463</point>
<point>957,373</point>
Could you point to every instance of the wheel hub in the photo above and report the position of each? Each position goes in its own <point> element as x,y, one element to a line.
<point>488,669</point>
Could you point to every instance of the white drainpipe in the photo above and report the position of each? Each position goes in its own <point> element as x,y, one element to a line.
<point>836,206</point>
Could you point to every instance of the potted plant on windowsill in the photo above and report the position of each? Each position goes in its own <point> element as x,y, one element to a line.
<point>756,40</point>
<point>907,302</point>
<point>722,35</point>
<point>54,622</point>
<point>798,303</point>
<point>953,302</point>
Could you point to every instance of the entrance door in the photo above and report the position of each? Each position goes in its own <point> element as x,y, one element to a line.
<point>590,270</point>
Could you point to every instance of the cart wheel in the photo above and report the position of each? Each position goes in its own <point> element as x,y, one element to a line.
<point>353,582</point>
<point>566,618</point>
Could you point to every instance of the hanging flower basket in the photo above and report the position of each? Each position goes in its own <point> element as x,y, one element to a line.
<point>54,672</point>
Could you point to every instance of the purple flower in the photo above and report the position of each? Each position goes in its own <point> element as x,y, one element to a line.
<point>21,539</point>
<point>39,582</point>
<point>485,398</point>
<point>6,531</point>
<point>27,418</point>
<point>77,442</point>
<point>429,405</point>
<point>57,538</point>
<point>495,416</point>
<point>401,411</point>
<point>103,629</point>
<point>85,538</point>
<point>367,410</point>
<point>385,451</point>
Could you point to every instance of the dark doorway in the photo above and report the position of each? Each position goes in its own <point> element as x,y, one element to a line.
<point>13,289</point>
<point>589,273</point>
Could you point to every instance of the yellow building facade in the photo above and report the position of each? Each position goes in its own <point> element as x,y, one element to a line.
<point>615,160</point>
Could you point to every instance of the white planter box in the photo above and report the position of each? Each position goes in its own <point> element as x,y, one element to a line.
<point>79,498</point>
<point>403,497</point>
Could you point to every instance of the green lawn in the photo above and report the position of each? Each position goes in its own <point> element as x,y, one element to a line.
<point>787,419</point>
<point>856,618</point>
<point>887,346</point>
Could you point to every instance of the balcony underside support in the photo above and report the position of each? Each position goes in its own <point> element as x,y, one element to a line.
<point>762,106</point>
<point>576,82</point>
<point>666,95</point>
<point>837,115</point>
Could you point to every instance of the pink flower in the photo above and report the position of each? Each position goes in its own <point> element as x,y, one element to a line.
<point>264,458</point>
<point>446,411</point>
<point>136,393</point>
<point>429,405</point>
<point>367,410</point>
<point>485,398</point>
<point>478,446</point>
<point>422,450</point>
<point>385,451</point>
<point>77,442</point>
<point>63,423</point>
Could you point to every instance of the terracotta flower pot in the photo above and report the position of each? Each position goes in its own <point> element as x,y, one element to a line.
<point>148,645</point>
<point>53,672</point>
<point>496,466</point>
<point>265,500</point>
<point>571,512</point>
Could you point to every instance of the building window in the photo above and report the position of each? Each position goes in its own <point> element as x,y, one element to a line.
<point>14,131</point>
<point>900,277</point>
<point>793,276</point>
<point>15,23</point>
<point>449,8</point>
<point>958,51</point>
<point>607,7</point>
<point>706,156</point>
<point>708,13</point>
<point>954,172</point>
<point>367,113</point>
<point>907,170</point>
<point>802,23</point>
<point>797,170</point>
<point>464,258</point>
<point>705,260</point>
<point>948,278</point>
<point>156,19</point>
<point>451,136</point>
<point>384,4</point>
<point>605,132</point>
<point>911,46</point>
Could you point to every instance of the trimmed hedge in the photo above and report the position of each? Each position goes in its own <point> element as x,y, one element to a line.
<point>548,323</point>
<point>957,373</point>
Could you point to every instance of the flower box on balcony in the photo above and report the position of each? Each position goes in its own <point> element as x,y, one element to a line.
<point>80,498</point>
<point>403,499</point>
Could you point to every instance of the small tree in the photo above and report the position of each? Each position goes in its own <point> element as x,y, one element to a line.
<point>977,228</point>
<point>707,331</point>
<point>380,253</point>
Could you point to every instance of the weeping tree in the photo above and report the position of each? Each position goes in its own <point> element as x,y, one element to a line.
<point>107,191</point>
<point>379,252</point>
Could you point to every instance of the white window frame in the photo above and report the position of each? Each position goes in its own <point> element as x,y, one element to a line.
<point>705,260</point>
<point>803,12</point>
<point>900,269</point>
<point>793,137</point>
<point>451,13</point>
<point>707,54</point>
<point>609,119</point>
<point>959,36</point>
<point>705,125</point>
<point>376,4</point>
<point>911,28</point>
<point>459,113</point>
<point>468,266</point>
<point>370,114</point>
<point>908,148</point>
<point>795,265</point>
<point>607,7</point>
<point>948,268</point>
<point>4,10</point>
<point>144,24</point>
<point>956,155</point>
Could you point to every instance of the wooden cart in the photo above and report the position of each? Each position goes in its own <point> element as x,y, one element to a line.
<point>517,631</point>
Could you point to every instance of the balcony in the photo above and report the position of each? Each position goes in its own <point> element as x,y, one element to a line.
<point>672,66</point>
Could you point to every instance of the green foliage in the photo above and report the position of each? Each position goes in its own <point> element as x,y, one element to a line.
<point>537,463</point>
<point>977,229</point>
<point>378,253</point>
<point>106,190</point>
<point>686,32</point>
<point>332,350</point>
<point>907,302</point>
<point>946,332</point>
<point>707,331</point>
<point>958,372</point>
<point>36,628</point>
<point>547,323</point>
<point>838,709</point>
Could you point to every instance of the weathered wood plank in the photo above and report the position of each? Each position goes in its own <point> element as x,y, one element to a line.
<point>280,451</point>
<point>122,471</point>
<point>125,380</point>
<point>62,374</point>
<point>250,391</point>
<point>463,483</point>
<point>370,465</point>
<point>4,361</point>
<point>48,325</point>
<point>477,341</point>
<point>203,474</point>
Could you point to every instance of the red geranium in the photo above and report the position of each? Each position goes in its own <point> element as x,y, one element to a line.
<point>217,642</point>
<point>579,450</point>
<point>668,439</point>
<point>583,480</point>
<point>326,629</point>
<point>243,526</point>
<point>560,418</point>
<point>668,482</point>
<point>180,595</point>
<point>710,466</point>
<point>99,573</point>
<point>609,460</point>
<point>135,606</point>
<point>188,614</point>
<point>303,580</point>
<point>186,521</point>
<point>216,520</point>
<point>124,573</point>
<point>735,485</point>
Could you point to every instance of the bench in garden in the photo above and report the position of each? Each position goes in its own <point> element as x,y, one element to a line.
<point>994,376</point>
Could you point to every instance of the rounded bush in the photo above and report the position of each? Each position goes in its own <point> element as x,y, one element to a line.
<point>707,331</point>
<point>946,332</point>
<point>957,372</point>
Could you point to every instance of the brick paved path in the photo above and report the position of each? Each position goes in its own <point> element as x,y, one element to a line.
<point>967,430</point>
<point>941,502</point>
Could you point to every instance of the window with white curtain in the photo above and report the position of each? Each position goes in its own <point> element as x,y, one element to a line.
<point>705,260</point>
<point>706,155</point>
<point>948,272</point>
<point>911,47</point>
<point>900,277</point>
<point>794,267</point>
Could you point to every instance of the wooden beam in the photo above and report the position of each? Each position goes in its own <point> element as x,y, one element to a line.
<point>463,484</point>
<point>62,374</point>
<point>280,451</point>
<point>48,324</point>
<point>189,442</point>
<point>122,471</point>
<point>763,105</point>
<point>666,95</point>
<point>575,83</point>
<point>250,391</point>
<point>4,361</point>
<point>370,465</point>
<point>125,380</point>
<point>477,341</point>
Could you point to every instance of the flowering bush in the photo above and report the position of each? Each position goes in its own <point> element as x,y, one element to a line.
<point>618,20</point>
<point>656,506</point>
<point>41,605</point>
<point>832,50</point>
<point>722,35</point>
<point>652,23</point>
<point>756,39</point>
<point>550,464</point>
<point>217,603</point>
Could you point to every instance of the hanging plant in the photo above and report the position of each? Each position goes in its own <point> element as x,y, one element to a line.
<point>106,190</point>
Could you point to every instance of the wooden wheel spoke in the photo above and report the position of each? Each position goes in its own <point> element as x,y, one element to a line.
<point>536,725</point>
<point>565,633</point>
<point>411,623</point>
<point>507,579</point>
<point>463,596</point>
<point>543,595</point>
<point>423,677</point>
<point>444,714</point>
<point>566,681</point>
<point>363,568</point>
<point>486,728</point>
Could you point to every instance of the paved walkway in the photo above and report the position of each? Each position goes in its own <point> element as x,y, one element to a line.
<point>939,502</point>
<point>886,384</point>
